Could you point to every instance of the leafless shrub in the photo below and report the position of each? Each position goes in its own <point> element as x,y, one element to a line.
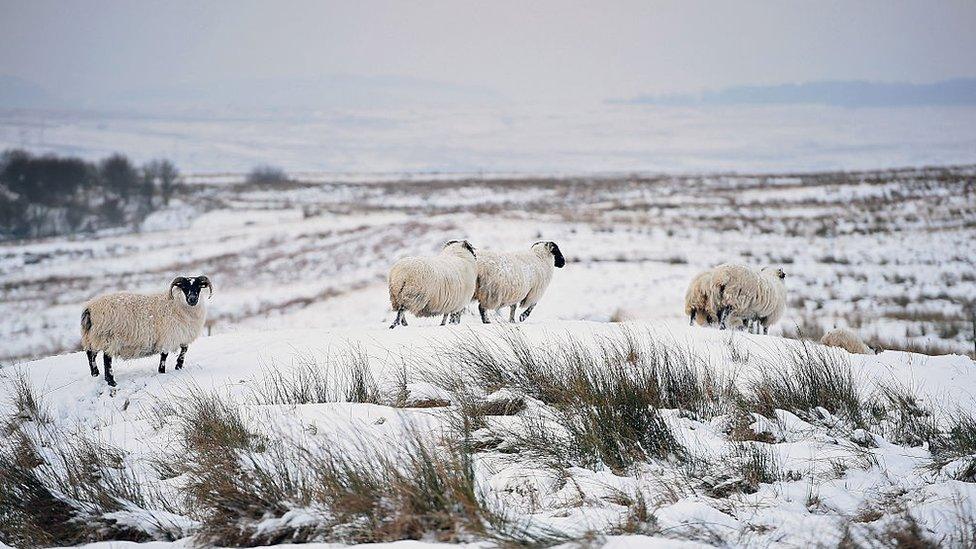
<point>267,175</point>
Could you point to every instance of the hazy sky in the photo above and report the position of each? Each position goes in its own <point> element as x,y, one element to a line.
<point>522,49</point>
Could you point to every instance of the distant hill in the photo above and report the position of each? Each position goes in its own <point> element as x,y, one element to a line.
<point>853,93</point>
<point>17,93</point>
<point>327,91</point>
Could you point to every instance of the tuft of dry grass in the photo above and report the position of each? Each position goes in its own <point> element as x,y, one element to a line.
<point>801,378</point>
<point>309,381</point>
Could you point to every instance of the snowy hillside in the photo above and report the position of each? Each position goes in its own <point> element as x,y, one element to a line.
<point>539,433</point>
<point>884,252</point>
<point>301,418</point>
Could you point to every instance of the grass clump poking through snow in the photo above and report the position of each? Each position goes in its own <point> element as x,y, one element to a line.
<point>61,487</point>
<point>804,377</point>
<point>600,404</point>
<point>250,487</point>
<point>308,381</point>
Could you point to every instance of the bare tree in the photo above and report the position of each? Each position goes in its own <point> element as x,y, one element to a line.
<point>163,175</point>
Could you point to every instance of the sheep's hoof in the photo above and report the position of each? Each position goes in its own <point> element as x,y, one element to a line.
<point>163,370</point>
<point>178,367</point>
<point>95,373</point>
<point>111,382</point>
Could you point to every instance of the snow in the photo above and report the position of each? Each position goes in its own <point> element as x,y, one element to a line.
<point>233,364</point>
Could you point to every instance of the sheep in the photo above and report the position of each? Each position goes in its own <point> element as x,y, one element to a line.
<point>510,279</point>
<point>429,286</point>
<point>127,325</point>
<point>699,300</point>
<point>847,340</point>
<point>770,302</point>
<point>743,295</point>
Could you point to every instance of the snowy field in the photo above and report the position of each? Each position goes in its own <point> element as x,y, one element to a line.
<point>634,434</point>
<point>301,417</point>
<point>886,253</point>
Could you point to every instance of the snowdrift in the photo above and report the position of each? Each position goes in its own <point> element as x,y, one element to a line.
<point>633,433</point>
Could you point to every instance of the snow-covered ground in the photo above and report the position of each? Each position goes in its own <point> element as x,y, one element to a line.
<point>825,473</point>
<point>299,274</point>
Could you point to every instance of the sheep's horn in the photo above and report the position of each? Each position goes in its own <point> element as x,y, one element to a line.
<point>204,281</point>
<point>173,284</point>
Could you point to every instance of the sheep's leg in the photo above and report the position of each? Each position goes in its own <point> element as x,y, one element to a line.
<point>179,358</point>
<point>444,320</point>
<point>109,378</point>
<point>456,318</point>
<point>723,315</point>
<point>484,314</point>
<point>525,314</point>
<point>399,319</point>
<point>162,363</point>
<point>764,323</point>
<point>691,322</point>
<point>92,355</point>
<point>511,313</point>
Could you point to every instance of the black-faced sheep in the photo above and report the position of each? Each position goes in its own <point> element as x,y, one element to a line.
<point>127,325</point>
<point>511,279</point>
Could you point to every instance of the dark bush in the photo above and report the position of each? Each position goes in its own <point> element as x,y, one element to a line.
<point>267,175</point>
<point>50,195</point>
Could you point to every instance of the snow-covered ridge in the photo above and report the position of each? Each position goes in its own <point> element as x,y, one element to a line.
<point>786,474</point>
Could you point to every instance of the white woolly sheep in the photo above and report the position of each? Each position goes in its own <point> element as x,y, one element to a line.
<point>511,279</point>
<point>847,340</point>
<point>430,286</point>
<point>127,325</point>
<point>745,295</point>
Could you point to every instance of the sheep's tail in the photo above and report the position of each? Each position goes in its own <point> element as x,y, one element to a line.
<point>86,322</point>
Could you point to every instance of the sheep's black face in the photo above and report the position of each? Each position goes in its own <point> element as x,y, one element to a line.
<point>560,261</point>
<point>464,244</point>
<point>191,288</point>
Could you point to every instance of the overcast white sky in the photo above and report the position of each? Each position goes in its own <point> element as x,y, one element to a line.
<point>525,50</point>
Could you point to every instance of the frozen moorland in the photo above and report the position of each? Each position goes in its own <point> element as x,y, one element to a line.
<point>887,253</point>
<point>301,418</point>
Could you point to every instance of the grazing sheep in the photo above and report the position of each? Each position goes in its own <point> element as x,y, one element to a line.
<point>770,303</point>
<point>747,296</point>
<point>126,325</point>
<point>430,286</point>
<point>733,288</point>
<point>699,300</point>
<point>510,279</point>
<point>847,340</point>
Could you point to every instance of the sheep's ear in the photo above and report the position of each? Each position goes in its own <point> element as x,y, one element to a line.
<point>559,260</point>
<point>467,246</point>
